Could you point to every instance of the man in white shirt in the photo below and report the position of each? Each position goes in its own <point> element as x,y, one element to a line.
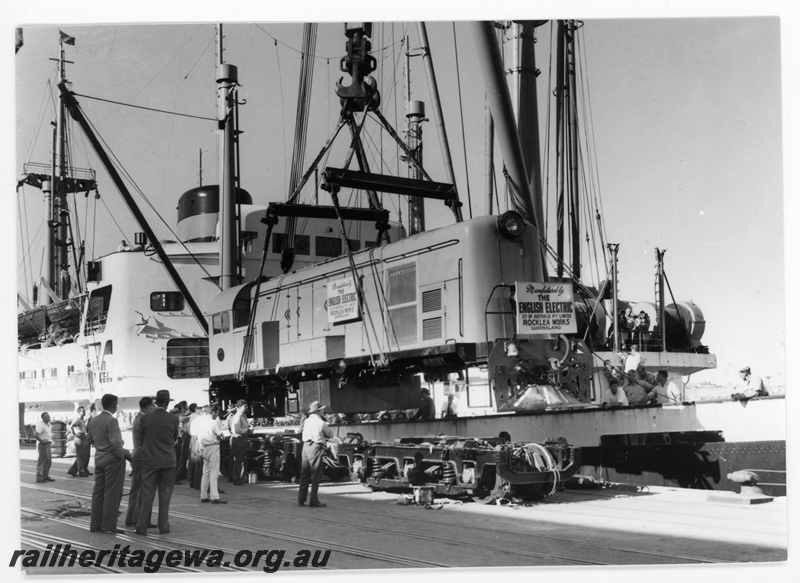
<point>614,396</point>
<point>240,427</point>
<point>751,386</point>
<point>44,443</point>
<point>208,433</point>
<point>450,407</point>
<point>315,434</point>
<point>666,389</point>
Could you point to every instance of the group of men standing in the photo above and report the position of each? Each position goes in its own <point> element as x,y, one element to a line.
<point>154,458</point>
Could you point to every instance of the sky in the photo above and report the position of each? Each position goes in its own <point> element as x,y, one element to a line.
<point>696,145</point>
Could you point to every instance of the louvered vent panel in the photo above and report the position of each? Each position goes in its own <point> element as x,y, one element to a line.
<point>431,329</point>
<point>431,301</point>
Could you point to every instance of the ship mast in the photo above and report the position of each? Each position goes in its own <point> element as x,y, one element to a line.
<point>227,81</point>
<point>506,130</point>
<point>55,180</point>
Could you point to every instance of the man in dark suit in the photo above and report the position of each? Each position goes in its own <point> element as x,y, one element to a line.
<point>158,433</point>
<point>134,498</point>
<point>109,468</point>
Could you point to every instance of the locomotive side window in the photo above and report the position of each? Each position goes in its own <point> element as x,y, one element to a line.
<point>401,299</point>
<point>241,312</point>
<point>166,302</point>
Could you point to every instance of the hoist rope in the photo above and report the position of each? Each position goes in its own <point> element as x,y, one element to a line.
<point>461,113</point>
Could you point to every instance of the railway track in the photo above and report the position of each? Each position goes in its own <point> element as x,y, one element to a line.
<point>160,543</point>
<point>281,537</point>
<point>570,551</point>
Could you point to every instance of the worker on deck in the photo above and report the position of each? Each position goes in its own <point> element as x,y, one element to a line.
<point>613,396</point>
<point>666,389</point>
<point>426,410</point>
<point>751,386</point>
<point>450,407</point>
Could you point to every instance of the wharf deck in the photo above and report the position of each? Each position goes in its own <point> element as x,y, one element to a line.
<point>369,530</point>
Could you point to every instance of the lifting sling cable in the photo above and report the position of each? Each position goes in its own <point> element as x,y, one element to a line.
<point>361,158</point>
<point>251,325</point>
<point>315,163</point>
<point>356,133</point>
<point>359,288</point>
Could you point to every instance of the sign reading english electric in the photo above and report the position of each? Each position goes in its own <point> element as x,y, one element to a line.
<point>545,308</point>
<point>342,301</point>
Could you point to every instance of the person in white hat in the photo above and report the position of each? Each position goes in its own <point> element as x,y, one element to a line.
<point>315,433</point>
<point>751,386</point>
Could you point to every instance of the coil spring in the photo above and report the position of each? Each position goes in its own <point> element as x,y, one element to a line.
<point>448,473</point>
<point>266,463</point>
<point>379,471</point>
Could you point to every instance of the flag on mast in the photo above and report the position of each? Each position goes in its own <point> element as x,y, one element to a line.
<point>66,39</point>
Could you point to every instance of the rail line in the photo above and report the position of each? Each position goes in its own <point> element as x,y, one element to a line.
<point>451,541</point>
<point>325,544</point>
<point>156,544</point>
<point>349,549</point>
<point>38,541</point>
<point>533,538</point>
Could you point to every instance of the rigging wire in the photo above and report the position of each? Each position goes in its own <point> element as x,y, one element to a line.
<point>145,108</point>
<point>592,148</point>
<point>171,130</point>
<point>22,210</point>
<point>461,112</point>
<point>40,116</point>
<point>313,55</point>
<point>189,72</point>
<point>135,186</point>
<point>168,63</point>
<point>283,117</point>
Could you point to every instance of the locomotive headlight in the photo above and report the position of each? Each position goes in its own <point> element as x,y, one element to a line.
<point>511,224</point>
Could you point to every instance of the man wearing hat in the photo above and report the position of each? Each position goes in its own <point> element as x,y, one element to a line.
<point>751,386</point>
<point>426,408</point>
<point>315,433</point>
<point>158,433</point>
<point>239,430</point>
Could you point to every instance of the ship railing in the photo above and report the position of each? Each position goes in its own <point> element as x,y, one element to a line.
<point>95,325</point>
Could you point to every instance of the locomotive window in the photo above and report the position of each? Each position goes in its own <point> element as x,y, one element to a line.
<point>166,301</point>
<point>355,245</point>
<point>241,312</point>
<point>302,243</point>
<point>187,358</point>
<point>328,246</point>
<point>221,322</point>
<point>369,244</point>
